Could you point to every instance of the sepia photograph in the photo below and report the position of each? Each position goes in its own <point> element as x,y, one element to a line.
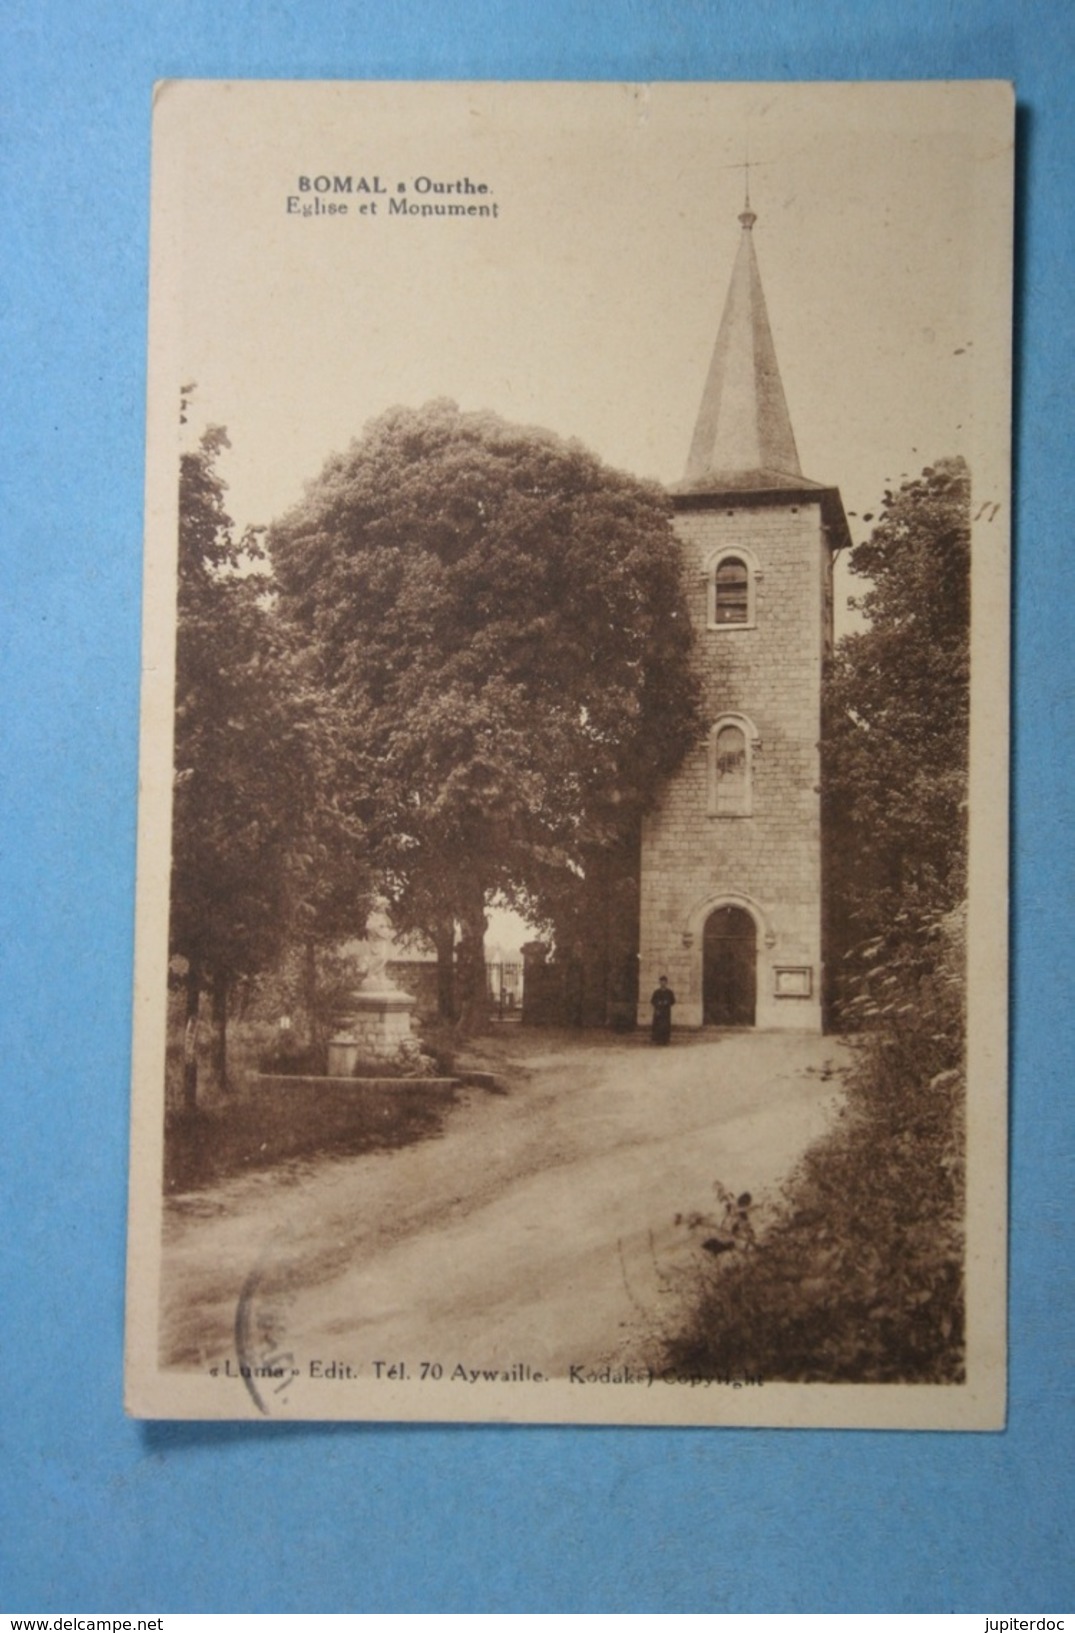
<point>571,935</point>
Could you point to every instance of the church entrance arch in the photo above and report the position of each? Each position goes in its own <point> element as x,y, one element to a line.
<point>729,968</point>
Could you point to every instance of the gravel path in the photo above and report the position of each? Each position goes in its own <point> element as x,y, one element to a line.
<point>541,1227</point>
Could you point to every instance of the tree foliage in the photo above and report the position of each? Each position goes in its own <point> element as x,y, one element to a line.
<point>897,715</point>
<point>257,834</point>
<point>500,618</point>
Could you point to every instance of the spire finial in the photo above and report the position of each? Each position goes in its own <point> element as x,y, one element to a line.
<point>746,216</point>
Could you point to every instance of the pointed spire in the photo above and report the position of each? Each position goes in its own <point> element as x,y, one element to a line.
<point>743,435</point>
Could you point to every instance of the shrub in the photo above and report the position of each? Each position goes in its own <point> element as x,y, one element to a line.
<point>441,1045</point>
<point>859,1278</point>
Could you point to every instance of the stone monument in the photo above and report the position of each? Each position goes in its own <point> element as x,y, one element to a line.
<point>376,1024</point>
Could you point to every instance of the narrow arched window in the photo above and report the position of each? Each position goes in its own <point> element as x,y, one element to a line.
<point>731,752</point>
<point>732,592</point>
<point>732,575</point>
<point>730,769</point>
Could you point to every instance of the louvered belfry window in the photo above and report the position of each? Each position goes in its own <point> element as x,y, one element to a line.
<point>733,592</point>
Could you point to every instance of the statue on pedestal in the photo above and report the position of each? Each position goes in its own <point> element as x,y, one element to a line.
<point>377,948</point>
<point>377,1021</point>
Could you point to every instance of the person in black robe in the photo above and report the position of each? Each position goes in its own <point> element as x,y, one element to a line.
<point>662,1001</point>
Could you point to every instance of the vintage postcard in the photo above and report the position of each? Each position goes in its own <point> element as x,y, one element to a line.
<point>572,892</point>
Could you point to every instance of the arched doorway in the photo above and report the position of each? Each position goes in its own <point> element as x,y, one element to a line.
<point>729,968</point>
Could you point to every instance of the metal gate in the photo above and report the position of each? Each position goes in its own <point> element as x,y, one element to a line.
<point>504,984</point>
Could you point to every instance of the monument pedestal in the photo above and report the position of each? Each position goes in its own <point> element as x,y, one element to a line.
<point>375,1025</point>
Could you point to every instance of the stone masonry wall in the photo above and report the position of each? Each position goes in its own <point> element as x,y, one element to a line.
<point>770,861</point>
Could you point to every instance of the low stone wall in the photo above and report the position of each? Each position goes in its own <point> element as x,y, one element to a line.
<point>358,1085</point>
<point>574,993</point>
<point>419,978</point>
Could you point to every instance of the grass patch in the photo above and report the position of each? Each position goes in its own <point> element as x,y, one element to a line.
<point>255,1127</point>
<point>261,1130</point>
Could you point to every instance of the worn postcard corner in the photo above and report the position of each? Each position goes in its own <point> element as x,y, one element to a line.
<point>571,932</point>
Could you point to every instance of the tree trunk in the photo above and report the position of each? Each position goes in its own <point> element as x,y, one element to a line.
<point>309,992</point>
<point>220,1032</point>
<point>444,942</point>
<point>190,1040</point>
<point>470,966</point>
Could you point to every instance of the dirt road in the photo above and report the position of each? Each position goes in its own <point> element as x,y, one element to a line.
<point>541,1225</point>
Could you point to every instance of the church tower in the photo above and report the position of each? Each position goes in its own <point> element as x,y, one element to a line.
<point>732,886</point>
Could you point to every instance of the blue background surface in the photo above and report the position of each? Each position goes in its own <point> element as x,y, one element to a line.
<point>104,1514</point>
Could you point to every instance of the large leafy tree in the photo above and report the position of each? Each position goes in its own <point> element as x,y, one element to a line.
<point>897,716</point>
<point>262,849</point>
<point>500,618</point>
